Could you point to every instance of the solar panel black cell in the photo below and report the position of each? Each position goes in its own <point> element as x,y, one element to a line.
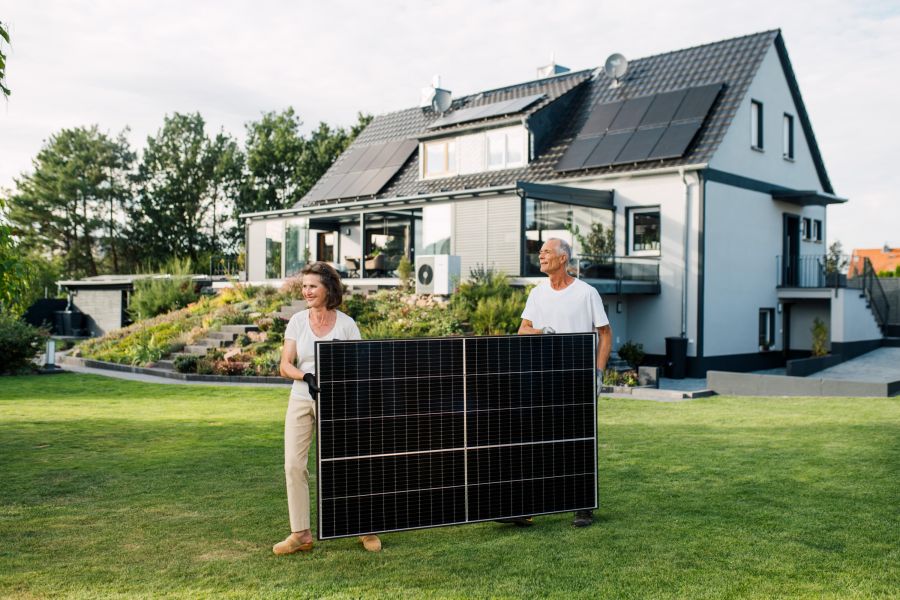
<point>676,140</point>
<point>420,433</point>
<point>601,118</point>
<point>663,108</point>
<point>608,149</point>
<point>485,111</point>
<point>698,101</point>
<point>577,153</point>
<point>631,113</point>
<point>639,146</point>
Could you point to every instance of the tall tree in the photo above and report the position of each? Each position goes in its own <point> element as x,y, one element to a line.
<point>15,274</point>
<point>70,206</point>
<point>282,164</point>
<point>4,37</point>
<point>183,181</point>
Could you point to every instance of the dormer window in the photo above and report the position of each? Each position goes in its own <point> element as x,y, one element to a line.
<point>505,148</point>
<point>476,152</point>
<point>440,158</point>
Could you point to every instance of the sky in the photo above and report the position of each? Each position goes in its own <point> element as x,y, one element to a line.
<point>128,64</point>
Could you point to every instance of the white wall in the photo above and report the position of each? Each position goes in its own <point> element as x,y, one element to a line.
<point>652,318</point>
<point>256,251</point>
<point>802,316</point>
<point>851,319</point>
<point>735,155</point>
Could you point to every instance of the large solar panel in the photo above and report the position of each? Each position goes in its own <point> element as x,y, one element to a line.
<point>422,433</point>
<point>651,127</point>
<point>364,170</point>
<point>486,111</point>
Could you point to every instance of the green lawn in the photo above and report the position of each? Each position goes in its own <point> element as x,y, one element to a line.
<point>112,488</point>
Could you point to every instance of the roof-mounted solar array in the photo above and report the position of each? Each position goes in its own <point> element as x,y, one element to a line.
<point>486,111</point>
<point>429,432</point>
<point>363,171</point>
<point>652,127</point>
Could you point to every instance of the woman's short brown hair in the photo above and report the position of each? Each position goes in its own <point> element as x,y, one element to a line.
<point>331,279</point>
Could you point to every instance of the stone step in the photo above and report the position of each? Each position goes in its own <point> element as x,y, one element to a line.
<point>196,350</point>
<point>238,329</point>
<point>166,364</point>
<point>227,336</point>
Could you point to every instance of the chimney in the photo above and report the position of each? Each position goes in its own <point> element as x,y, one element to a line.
<point>552,69</point>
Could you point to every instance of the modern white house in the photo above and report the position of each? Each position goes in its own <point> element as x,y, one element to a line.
<point>690,185</point>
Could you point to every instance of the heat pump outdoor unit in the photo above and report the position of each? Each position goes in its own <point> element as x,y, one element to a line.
<point>437,274</point>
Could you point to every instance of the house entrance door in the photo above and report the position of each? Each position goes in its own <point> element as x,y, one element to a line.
<point>790,275</point>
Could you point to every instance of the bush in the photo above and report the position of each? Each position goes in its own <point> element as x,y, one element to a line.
<point>154,296</point>
<point>186,363</point>
<point>498,315</point>
<point>227,367</point>
<point>19,344</point>
<point>483,283</point>
<point>627,378</point>
<point>632,353</point>
<point>206,366</point>
<point>267,364</point>
<point>819,337</point>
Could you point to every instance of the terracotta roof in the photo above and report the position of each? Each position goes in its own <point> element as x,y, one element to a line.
<point>882,259</point>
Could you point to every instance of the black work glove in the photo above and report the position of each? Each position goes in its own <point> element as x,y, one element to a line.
<point>310,380</point>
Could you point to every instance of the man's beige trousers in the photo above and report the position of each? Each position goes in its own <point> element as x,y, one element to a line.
<point>298,429</point>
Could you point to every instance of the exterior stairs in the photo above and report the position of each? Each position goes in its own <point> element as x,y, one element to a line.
<point>214,339</point>
<point>289,310</point>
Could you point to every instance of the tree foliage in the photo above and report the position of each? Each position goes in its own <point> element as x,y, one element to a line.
<point>4,37</point>
<point>15,274</point>
<point>71,205</point>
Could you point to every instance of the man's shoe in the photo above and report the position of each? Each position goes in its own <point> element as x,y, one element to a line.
<point>518,521</point>
<point>291,545</point>
<point>583,518</point>
<point>371,543</point>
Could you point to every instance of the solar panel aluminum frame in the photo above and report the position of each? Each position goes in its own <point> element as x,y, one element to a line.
<point>466,449</point>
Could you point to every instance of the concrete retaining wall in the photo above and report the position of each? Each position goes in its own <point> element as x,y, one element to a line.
<point>98,364</point>
<point>749,384</point>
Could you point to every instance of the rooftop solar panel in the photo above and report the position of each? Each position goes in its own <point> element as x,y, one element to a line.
<point>494,109</point>
<point>364,170</point>
<point>422,433</point>
<point>608,149</point>
<point>675,141</point>
<point>631,113</point>
<point>663,108</point>
<point>601,118</point>
<point>639,146</point>
<point>577,153</point>
<point>697,102</point>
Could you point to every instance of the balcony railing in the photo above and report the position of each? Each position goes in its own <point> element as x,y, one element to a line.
<point>821,271</point>
<point>619,270</point>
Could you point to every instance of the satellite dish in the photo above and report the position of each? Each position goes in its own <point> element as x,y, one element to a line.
<point>441,101</point>
<point>616,66</point>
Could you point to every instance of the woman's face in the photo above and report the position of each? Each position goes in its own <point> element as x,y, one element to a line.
<point>313,291</point>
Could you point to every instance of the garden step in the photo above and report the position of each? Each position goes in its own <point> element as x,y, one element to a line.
<point>166,364</point>
<point>238,329</point>
<point>228,336</point>
<point>212,342</point>
<point>196,350</point>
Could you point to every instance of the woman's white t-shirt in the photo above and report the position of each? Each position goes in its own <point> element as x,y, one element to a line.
<point>577,308</point>
<point>298,329</point>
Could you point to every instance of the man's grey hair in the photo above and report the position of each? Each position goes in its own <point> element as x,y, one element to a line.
<point>563,248</point>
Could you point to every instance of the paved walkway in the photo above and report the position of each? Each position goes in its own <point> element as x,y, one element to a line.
<point>163,380</point>
<point>878,366</point>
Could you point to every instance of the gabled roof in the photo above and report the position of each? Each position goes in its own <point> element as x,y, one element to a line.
<point>882,259</point>
<point>733,62</point>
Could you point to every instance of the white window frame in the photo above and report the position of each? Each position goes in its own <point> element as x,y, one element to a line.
<point>505,163</point>
<point>817,236</point>
<point>806,228</point>
<point>757,137</point>
<point>769,342</point>
<point>640,211</point>
<point>448,169</point>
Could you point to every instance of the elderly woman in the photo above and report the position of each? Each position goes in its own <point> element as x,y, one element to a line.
<point>322,291</point>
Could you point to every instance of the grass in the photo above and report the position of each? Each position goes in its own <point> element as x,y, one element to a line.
<point>111,488</point>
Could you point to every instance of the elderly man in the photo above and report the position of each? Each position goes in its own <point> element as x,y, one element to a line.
<point>564,304</point>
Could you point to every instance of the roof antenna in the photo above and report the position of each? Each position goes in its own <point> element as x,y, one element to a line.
<point>616,67</point>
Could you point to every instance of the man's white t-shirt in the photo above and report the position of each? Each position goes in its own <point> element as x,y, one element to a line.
<point>298,329</point>
<point>577,308</point>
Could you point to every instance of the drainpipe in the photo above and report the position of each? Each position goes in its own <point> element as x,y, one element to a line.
<point>687,240</point>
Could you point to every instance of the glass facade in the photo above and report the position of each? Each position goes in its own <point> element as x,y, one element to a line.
<point>274,246</point>
<point>435,233</point>
<point>296,246</point>
<point>590,232</point>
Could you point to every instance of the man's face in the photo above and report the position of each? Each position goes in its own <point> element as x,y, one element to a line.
<point>550,258</point>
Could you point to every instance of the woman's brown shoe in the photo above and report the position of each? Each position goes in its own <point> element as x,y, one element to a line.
<point>291,545</point>
<point>371,543</point>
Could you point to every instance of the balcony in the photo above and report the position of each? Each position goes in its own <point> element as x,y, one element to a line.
<point>619,274</point>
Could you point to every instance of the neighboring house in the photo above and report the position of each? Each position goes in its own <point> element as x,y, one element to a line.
<point>700,165</point>
<point>884,260</point>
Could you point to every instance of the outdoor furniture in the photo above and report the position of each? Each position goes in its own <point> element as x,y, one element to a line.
<point>376,264</point>
<point>352,266</point>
